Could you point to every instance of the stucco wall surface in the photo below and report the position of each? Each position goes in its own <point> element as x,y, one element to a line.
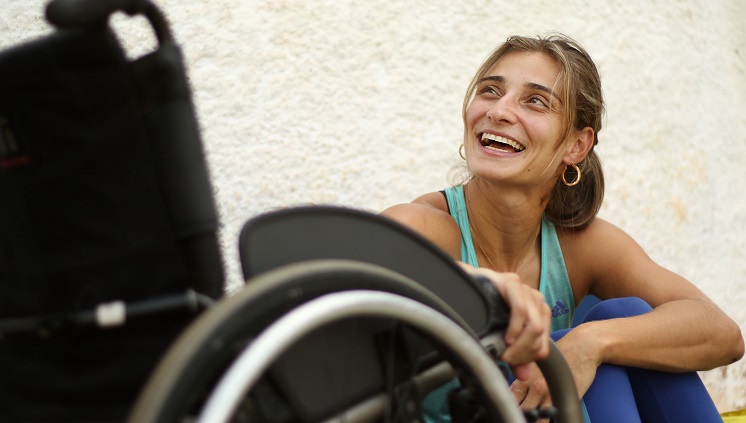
<point>358,104</point>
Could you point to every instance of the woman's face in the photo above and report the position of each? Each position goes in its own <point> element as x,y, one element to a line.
<point>515,120</point>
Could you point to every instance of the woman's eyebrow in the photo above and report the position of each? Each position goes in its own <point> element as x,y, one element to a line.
<point>494,78</point>
<point>543,88</point>
<point>532,85</point>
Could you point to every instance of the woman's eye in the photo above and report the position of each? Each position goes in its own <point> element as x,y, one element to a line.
<point>538,101</point>
<point>489,89</point>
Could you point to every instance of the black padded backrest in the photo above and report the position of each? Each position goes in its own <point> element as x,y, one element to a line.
<point>300,234</point>
<point>104,195</point>
<point>104,190</point>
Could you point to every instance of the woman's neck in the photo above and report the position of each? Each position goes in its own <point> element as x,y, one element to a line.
<point>505,224</point>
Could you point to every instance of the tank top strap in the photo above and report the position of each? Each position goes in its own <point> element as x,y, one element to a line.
<point>457,208</point>
<point>554,283</point>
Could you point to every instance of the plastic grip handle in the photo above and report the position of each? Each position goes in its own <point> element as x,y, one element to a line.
<point>85,13</point>
<point>499,309</point>
<point>75,14</point>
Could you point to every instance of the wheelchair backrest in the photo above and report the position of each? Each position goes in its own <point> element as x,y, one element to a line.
<point>301,234</point>
<point>104,191</point>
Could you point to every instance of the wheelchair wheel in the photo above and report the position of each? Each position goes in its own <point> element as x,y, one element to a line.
<point>194,365</point>
<point>302,321</point>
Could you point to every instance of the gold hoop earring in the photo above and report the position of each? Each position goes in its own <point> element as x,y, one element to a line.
<point>461,151</point>
<point>577,178</point>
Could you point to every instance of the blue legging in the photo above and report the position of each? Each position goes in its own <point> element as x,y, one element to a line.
<point>630,395</point>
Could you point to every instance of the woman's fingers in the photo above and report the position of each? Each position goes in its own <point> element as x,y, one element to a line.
<point>532,392</point>
<point>526,337</point>
<point>527,334</point>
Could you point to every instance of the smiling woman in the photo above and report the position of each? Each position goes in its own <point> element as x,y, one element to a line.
<point>532,114</point>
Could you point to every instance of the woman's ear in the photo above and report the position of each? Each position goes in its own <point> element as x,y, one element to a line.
<point>581,145</point>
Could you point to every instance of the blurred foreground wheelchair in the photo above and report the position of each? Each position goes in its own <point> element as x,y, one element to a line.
<point>111,278</point>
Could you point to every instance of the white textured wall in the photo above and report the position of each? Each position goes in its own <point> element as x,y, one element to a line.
<point>358,103</point>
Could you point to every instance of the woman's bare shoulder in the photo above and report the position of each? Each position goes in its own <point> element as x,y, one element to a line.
<point>612,264</point>
<point>428,215</point>
<point>591,251</point>
<point>600,236</point>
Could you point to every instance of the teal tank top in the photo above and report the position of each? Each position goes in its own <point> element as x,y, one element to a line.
<point>554,284</point>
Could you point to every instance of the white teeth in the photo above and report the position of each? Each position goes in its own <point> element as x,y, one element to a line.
<point>502,140</point>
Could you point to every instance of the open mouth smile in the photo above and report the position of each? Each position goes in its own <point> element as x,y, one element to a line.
<point>496,142</point>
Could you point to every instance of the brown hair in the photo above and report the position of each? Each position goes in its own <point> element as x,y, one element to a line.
<point>580,85</point>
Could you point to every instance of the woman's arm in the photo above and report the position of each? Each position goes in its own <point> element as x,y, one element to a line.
<point>685,331</point>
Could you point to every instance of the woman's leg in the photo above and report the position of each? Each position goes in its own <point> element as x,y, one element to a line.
<point>660,396</point>
<point>610,398</point>
<point>672,397</point>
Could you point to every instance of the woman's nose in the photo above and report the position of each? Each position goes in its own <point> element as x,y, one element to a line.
<point>502,110</point>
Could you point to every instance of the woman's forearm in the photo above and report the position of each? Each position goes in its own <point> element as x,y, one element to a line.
<point>682,335</point>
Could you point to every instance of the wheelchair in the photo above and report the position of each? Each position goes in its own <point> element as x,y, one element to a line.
<point>111,275</point>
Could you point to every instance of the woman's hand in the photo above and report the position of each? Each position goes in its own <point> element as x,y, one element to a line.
<point>580,356</point>
<point>527,335</point>
<point>531,392</point>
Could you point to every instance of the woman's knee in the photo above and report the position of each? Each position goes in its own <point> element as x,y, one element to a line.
<point>617,308</point>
